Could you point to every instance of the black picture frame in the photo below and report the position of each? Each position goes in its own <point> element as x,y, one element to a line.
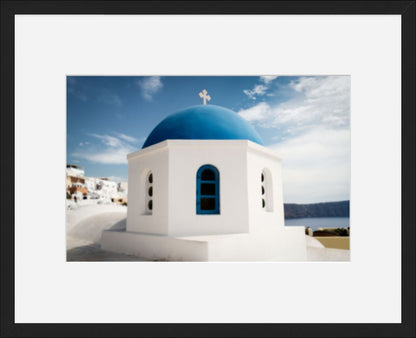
<point>406,9</point>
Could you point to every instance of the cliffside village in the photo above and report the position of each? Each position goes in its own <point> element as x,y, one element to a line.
<point>101,190</point>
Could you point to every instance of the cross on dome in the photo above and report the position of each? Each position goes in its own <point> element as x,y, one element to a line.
<point>204,96</point>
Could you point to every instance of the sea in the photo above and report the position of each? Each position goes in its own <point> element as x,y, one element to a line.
<point>320,222</point>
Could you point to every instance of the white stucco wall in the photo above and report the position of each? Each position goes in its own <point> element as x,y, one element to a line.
<point>154,247</point>
<point>75,172</point>
<point>174,164</point>
<point>268,244</point>
<point>260,159</point>
<point>185,158</point>
<point>156,160</point>
<point>109,189</point>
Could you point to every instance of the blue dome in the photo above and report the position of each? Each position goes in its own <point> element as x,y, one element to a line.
<point>204,122</point>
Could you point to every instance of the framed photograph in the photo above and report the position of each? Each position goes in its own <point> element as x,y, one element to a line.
<point>255,170</point>
<point>229,168</point>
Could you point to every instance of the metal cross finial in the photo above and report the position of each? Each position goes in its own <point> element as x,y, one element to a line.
<point>203,95</point>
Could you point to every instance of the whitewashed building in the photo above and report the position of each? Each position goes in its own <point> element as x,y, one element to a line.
<point>74,170</point>
<point>103,188</point>
<point>204,188</point>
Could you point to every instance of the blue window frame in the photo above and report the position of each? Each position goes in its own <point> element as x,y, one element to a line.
<point>207,190</point>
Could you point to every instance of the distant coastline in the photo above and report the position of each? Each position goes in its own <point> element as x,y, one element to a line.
<point>326,209</point>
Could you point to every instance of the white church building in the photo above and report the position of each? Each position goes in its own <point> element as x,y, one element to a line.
<point>204,188</point>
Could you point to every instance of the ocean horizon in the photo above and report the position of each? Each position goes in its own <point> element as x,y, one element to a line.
<point>319,222</point>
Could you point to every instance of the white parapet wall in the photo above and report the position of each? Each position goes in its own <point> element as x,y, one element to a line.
<point>273,244</point>
<point>154,247</point>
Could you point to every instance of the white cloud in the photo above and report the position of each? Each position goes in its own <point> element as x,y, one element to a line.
<point>314,126</point>
<point>258,90</point>
<point>111,149</point>
<point>257,113</point>
<point>150,86</point>
<point>318,101</point>
<point>316,166</point>
<point>115,156</point>
<point>108,140</point>
<point>127,138</point>
<point>268,78</point>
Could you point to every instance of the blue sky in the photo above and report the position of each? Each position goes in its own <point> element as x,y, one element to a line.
<point>304,119</point>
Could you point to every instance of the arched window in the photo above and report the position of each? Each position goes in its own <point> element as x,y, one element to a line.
<point>149,193</point>
<point>266,191</point>
<point>207,190</point>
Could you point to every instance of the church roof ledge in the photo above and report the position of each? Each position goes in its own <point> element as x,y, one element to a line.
<point>169,144</point>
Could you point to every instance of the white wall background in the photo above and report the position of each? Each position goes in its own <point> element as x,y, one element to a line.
<point>48,48</point>
<point>257,163</point>
<point>230,159</point>
<point>138,218</point>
